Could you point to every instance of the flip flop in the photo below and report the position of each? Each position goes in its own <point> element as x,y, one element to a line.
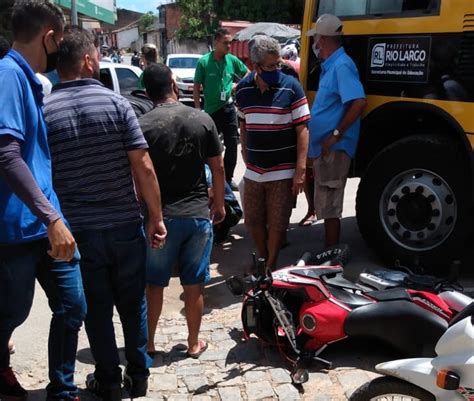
<point>308,221</point>
<point>203,344</point>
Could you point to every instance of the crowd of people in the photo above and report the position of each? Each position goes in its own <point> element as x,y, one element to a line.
<point>99,206</point>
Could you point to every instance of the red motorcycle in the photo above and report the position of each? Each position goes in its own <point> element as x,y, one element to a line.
<point>302,309</point>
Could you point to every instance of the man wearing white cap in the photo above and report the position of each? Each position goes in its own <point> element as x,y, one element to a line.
<point>335,122</point>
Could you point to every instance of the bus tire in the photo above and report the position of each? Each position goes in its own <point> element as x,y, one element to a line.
<point>413,203</point>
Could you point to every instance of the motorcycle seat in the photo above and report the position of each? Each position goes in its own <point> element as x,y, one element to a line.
<point>391,294</point>
<point>350,299</point>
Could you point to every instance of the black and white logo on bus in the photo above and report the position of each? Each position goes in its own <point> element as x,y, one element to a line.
<point>399,59</point>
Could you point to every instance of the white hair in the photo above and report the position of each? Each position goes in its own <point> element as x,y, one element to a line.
<point>261,46</point>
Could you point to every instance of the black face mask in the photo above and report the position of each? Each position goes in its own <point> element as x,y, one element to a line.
<point>51,58</point>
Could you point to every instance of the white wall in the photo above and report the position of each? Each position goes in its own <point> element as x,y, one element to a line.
<point>125,38</point>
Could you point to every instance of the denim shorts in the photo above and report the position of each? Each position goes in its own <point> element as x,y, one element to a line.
<point>188,245</point>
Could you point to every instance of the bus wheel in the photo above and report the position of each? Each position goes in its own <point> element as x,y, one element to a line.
<point>413,202</point>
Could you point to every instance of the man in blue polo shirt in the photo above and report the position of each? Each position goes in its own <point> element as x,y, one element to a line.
<point>34,240</point>
<point>335,123</point>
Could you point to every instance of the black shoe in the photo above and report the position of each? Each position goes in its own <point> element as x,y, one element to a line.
<point>135,387</point>
<point>10,389</point>
<point>109,392</point>
<point>233,185</point>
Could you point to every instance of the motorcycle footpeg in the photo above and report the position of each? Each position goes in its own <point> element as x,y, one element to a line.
<point>300,376</point>
<point>322,362</point>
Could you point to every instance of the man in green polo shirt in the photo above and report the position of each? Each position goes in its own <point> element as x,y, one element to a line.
<point>218,72</point>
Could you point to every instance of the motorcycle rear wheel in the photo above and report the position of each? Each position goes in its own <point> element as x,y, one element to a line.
<point>387,388</point>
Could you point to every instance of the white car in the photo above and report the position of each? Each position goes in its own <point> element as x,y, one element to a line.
<point>184,67</point>
<point>121,78</point>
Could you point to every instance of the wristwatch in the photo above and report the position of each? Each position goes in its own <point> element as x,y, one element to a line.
<point>336,133</point>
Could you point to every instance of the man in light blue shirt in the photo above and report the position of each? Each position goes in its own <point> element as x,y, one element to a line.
<point>335,122</point>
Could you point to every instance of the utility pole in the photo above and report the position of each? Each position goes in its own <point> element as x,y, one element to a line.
<point>74,19</point>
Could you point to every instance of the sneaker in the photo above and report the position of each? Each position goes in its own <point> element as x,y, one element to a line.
<point>109,392</point>
<point>10,389</point>
<point>135,387</point>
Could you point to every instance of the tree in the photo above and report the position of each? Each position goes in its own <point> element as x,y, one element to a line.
<point>146,22</point>
<point>257,11</point>
<point>196,20</point>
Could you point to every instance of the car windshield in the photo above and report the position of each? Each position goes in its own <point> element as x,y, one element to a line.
<point>183,62</point>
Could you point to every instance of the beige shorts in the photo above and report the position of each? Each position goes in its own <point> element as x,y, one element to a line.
<point>268,204</point>
<point>330,177</point>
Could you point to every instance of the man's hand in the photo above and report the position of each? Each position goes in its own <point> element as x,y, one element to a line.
<point>327,144</point>
<point>217,214</point>
<point>63,244</point>
<point>298,181</point>
<point>156,231</point>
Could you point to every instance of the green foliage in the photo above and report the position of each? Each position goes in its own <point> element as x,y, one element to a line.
<point>197,19</point>
<point>282,11</point>
<point>146,22</point>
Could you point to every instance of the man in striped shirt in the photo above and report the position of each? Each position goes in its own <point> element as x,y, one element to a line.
<point>96,144</point>
<point>274,113</point>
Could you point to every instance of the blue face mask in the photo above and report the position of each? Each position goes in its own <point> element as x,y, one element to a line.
<point>271,78</point>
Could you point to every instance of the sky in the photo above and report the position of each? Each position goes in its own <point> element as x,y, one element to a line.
<point>140,5</point>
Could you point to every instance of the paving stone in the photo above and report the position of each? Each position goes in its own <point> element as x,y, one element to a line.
<point>224,380</point>
<point>228,344</point>
<point>287,392</point>
<point>322,397</point>
<point>196,383</point>
<point>220,335</point>
<point>201,397</point>
<point>253,376</point>
<point>161,339</point>
<point>214,355</point>
<point>350,380</point>
<point>191,370</point>
<point>229,393</point>
<point>318,381</point>
<point>178,337</point>
<point>260,390</point>
<point>177,397</point>
<point>165,382</point>
<point>188,362</point>
<point>280,375</point>
<point>174,330</point>
<point>211,326</point>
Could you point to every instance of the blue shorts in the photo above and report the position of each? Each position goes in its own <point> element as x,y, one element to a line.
<point>188,245</point>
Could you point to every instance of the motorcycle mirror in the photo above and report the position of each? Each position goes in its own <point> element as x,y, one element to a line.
<point>300,376</point>
<point>235,285</point>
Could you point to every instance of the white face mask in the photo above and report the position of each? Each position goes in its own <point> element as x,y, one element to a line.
<point>316,51</point>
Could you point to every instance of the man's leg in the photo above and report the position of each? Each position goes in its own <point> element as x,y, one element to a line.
<point>194,306</point>
<point>154,299</point>
<point>96,276</point>
<point>231,140</point>
<point>332,229</point>
<point>194,272</point>
<point>279,201</point>
<point>62,284</point>
<point>127,245</point>
<point>18,264</point>
<point>260,236</point>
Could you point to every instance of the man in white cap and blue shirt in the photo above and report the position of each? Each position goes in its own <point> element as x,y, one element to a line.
<point>335,122</point>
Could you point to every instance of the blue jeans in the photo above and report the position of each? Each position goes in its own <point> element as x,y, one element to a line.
<point>61,281</point>
<point>188,245</point>
<point>113,272</point>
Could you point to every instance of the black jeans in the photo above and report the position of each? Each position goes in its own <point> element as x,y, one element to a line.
<point>226,123</point>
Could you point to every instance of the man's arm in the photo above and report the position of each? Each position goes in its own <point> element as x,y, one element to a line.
<point>354,111</point>
<point>19,178</point>
<point>216,164</point>
<point>197,95</point>
<point>147,185</point>
<point>302,140</point>
<point>243,141</point>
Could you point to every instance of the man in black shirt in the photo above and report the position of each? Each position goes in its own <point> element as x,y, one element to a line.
<point>181,141</point>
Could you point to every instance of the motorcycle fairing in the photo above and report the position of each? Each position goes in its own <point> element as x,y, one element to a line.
<point>402,324</point>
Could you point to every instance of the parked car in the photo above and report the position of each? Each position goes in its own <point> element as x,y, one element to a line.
<point>120,78</point>
<point>184,67</point>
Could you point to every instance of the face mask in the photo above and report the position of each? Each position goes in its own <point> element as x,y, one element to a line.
<point>316,51</point>
<point>271,78</point>
<point>51,58</point>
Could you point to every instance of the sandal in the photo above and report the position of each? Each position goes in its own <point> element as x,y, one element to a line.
<point>195,355</point>
<point>308,220</point>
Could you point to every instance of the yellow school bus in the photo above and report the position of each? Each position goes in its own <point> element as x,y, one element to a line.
<point>415,154</point>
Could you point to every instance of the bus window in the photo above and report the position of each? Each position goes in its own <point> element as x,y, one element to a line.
<point>364,8</point>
